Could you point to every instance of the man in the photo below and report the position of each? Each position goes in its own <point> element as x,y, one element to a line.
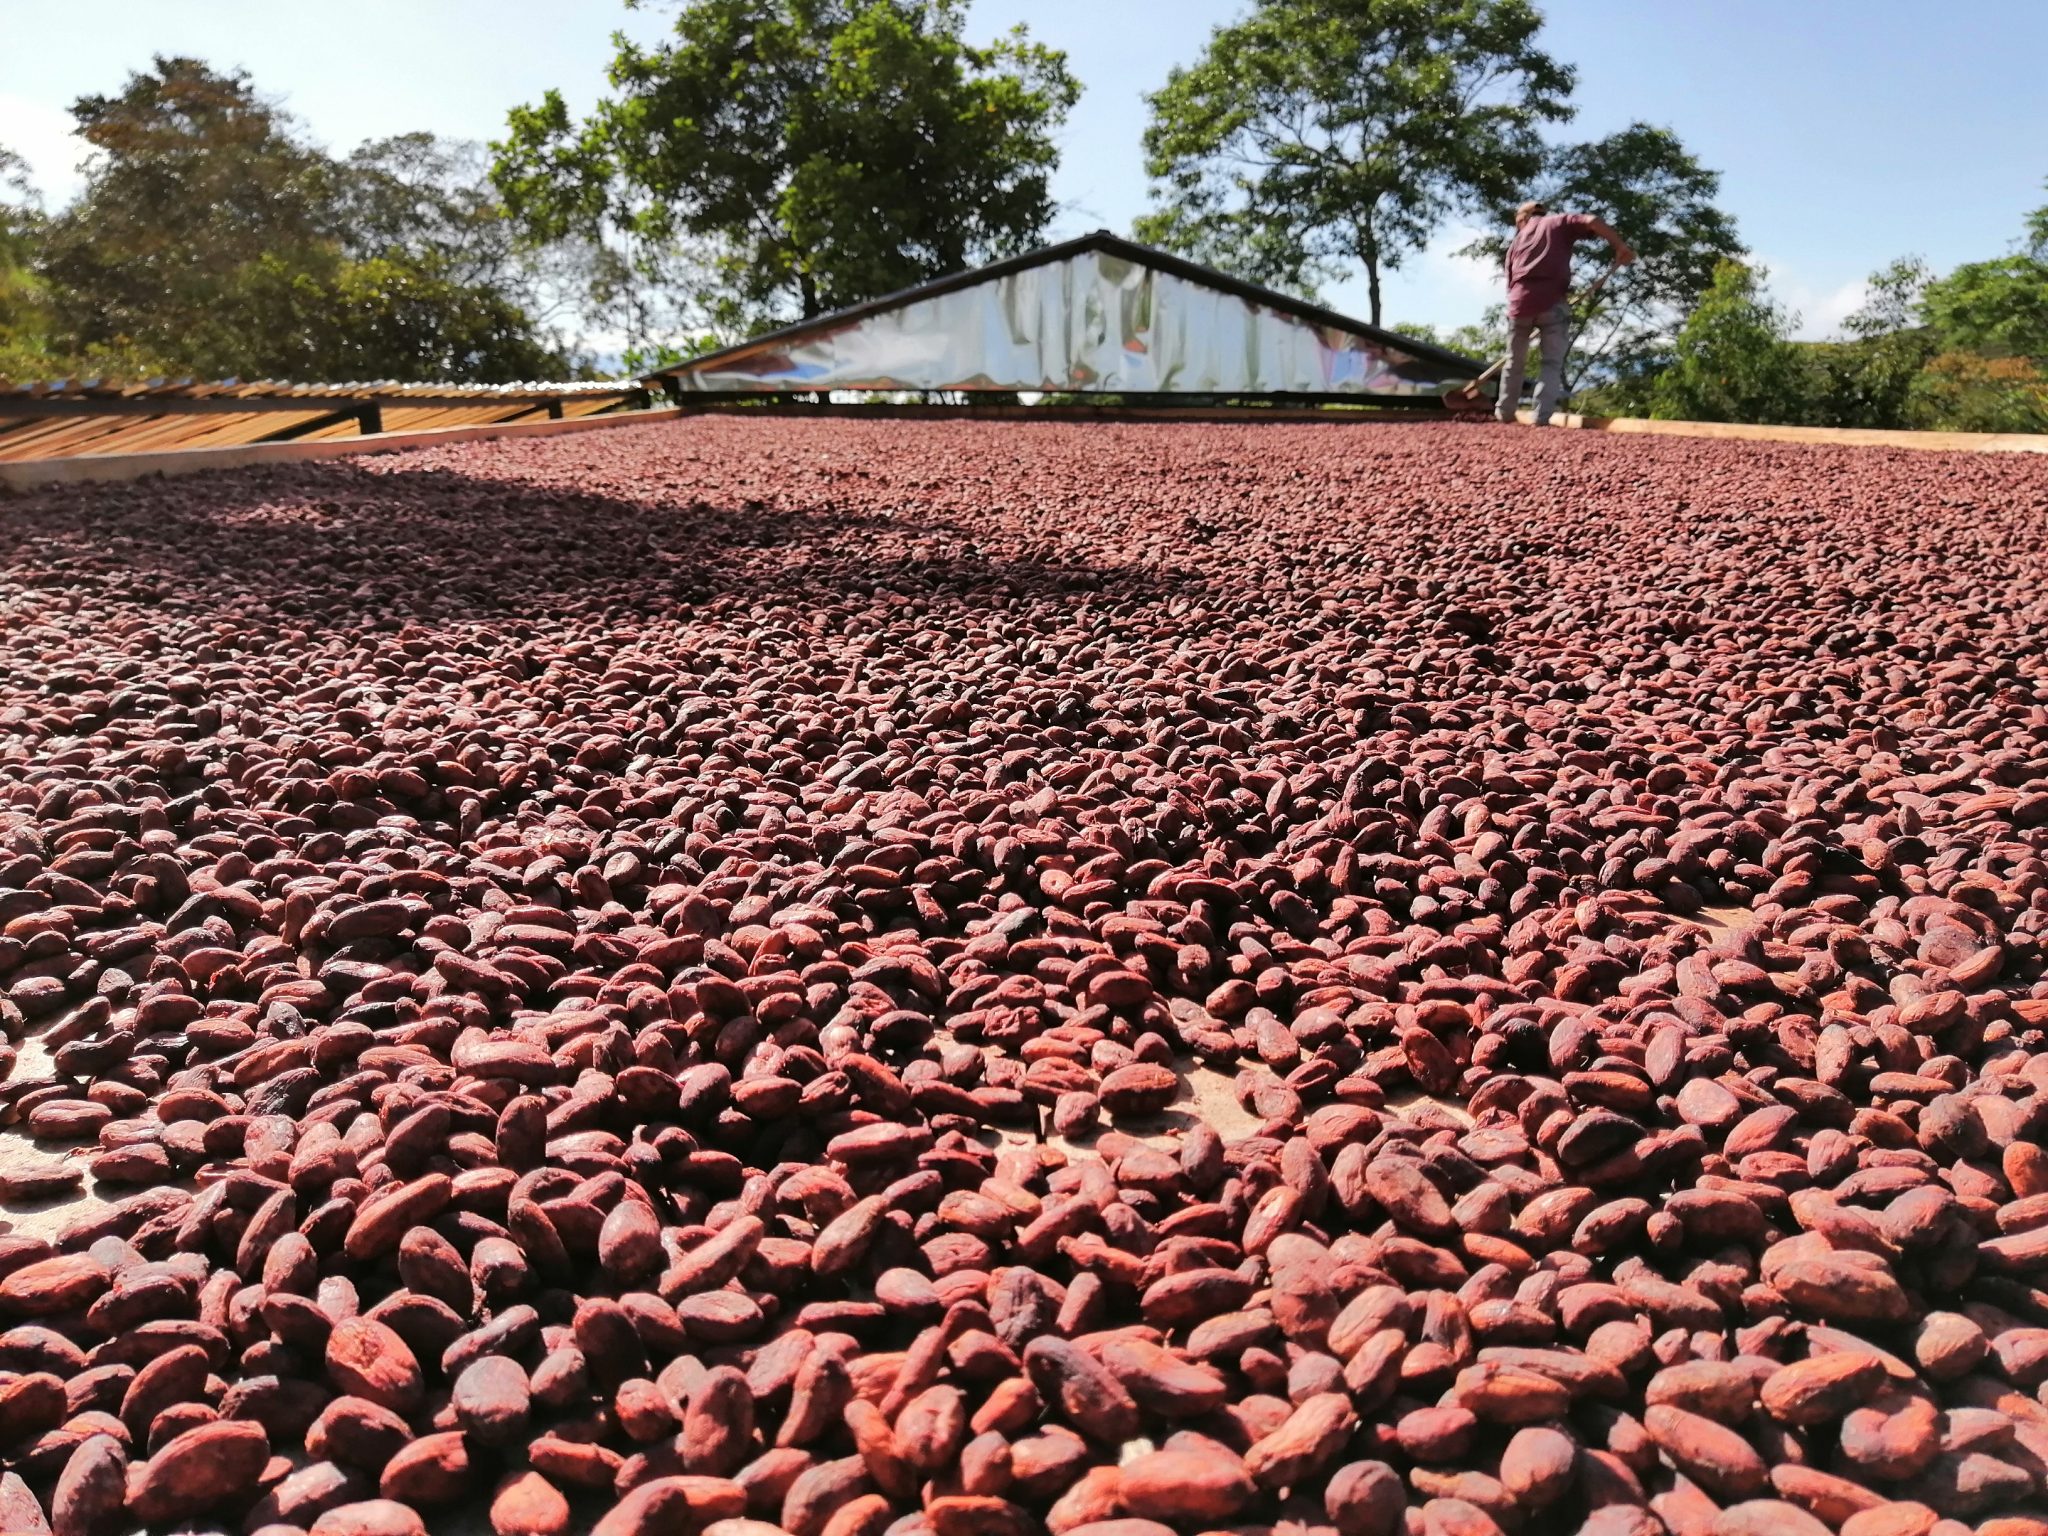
<point>1539,280</point>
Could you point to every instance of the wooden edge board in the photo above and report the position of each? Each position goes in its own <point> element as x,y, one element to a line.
<point>27,474</point>
<point>1851,437</point>
<point>1376,412</point>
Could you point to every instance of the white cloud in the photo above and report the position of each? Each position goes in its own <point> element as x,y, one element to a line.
<point>1822,312</point>
<point>1821,307</point>
<point>1477,278</point>
<point>41,134</point>
<point>1435,286</point>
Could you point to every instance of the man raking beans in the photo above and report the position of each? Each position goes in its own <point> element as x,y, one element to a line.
<point>1539,272</point>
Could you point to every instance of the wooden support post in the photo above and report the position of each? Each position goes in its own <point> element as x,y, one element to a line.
<point>555,409</point>
<point>372,418</point>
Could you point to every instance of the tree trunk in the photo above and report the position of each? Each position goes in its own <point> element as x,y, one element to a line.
<point>809,290</point>
<point>1369,255</point>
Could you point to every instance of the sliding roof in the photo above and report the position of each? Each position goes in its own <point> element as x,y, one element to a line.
<point>1099,314</point>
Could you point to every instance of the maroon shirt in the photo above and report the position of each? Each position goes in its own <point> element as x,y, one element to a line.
<point>1540,261</point>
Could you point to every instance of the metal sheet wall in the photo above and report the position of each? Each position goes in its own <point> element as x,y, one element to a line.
<point>1094,322</point>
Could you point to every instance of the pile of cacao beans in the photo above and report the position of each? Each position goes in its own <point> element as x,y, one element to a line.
<point>879,978</point>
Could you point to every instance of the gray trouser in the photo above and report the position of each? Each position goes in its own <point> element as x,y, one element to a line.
<point>1553,329</point>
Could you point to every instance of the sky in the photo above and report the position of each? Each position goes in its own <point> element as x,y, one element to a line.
<point>1848,132</point>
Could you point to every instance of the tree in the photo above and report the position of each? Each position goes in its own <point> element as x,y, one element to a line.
<point>1658,197</point>
<point>428,201</point>
<point>1484,340</point>
<point>1869,379</point>
<point>211,238</point>
<point>196,178</point>
<point>1961,353</point>
<point>823,151</point>
<point>1732,360</point>
<point>1318,134</point>
<point>385,318</point>
<point>1894,299</point>
<point>1962,392</point>
<point>424,204</point>
<point>1996,308</point>
<point>24,302</point>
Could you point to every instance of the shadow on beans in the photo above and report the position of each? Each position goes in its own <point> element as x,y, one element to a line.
<point>339,543</point>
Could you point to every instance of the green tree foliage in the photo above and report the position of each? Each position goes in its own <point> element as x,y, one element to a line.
<point>1996,308</point>
<point>1657,196</point>
<point>821,152</point>
<point>1987,324</point>
<point>424,206</point>
<point>24,302</point>
<point>1868,380</point>
<point>1963,392</point>
<point>1893,302</point>
<point>1864,382</point>
<point>1485,341</point>
<point>1905,362</point>
<point>1315,135</point>
<point>1732,359</point>
<point>427,201</point>
<point>212,239</point>
<point>387,318</point>
<point>1967,352</point>
<point>195,181</point>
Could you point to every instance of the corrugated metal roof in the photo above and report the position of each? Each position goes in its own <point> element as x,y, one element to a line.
<point>61,418</point>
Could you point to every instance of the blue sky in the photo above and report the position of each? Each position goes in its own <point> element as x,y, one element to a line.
<point>1848,131</point>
